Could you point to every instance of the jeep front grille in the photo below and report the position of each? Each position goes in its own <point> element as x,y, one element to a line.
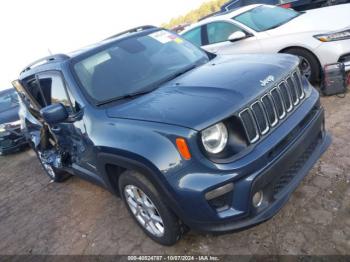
<point>267,111</point>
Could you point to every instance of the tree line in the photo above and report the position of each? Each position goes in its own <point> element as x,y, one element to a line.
<point>196,14</point>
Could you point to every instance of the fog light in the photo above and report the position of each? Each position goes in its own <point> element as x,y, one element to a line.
<point>219,191</point>
<point>258,199</point>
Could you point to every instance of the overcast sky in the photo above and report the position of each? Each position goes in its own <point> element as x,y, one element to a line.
<point>30,27</point>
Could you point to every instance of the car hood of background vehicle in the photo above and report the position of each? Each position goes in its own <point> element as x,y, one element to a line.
<point>321,20</point>
<point>209,93</point>
<point>9,115</point>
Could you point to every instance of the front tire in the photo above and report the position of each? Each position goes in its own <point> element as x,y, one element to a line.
<point>309,66</point>
<point>148,209</point>
<point>53,173</point>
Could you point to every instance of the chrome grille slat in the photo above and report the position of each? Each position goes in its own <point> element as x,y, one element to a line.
<point>249,125</point>
<point>285,96</point>
<point>292,90</point>
<point>266,112</point>
<point>260,117</point>
<point>270,109</point>
<point>299,85</point>
<point>277,100</point>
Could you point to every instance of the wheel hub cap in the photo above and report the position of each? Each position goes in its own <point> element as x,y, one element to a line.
<point>47,166</point>
<point>144,210</point>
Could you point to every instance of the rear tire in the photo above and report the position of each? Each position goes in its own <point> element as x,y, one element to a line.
<point>148,209</point>
<point>309,65</point>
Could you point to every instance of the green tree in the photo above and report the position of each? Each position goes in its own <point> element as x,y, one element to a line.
<point>194,15</point>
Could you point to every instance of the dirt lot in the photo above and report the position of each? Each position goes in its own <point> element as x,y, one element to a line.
<point>76,217</point>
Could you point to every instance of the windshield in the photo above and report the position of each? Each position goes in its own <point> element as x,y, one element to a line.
<point>136,65</point>
<point>8,99</point>
<point>266,17</point>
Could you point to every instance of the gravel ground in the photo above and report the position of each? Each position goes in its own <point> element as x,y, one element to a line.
<point>76,217</point>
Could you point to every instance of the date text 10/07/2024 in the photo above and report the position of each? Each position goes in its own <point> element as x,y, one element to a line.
<point>173,258</point>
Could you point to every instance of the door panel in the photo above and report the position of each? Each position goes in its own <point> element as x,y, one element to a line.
<point>246,46</point>
<point>71,134</point>
<point>67,141</point>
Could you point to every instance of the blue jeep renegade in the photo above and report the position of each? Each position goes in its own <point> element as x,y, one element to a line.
<point>188,139</point>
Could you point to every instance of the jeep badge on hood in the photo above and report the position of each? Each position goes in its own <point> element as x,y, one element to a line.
<point>267,80</point>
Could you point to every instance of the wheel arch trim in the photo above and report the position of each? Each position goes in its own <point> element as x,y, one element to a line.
<point>131,161</point>
<point>284,50</point>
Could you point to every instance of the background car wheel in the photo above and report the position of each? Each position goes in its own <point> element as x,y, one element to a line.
<point>147,208</point>
<point>309,65</point>
<point>53,173</point>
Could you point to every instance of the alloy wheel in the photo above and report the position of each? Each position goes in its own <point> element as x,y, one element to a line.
<point>144,210</point>
<point>47,166</point>
<point>305,67</point>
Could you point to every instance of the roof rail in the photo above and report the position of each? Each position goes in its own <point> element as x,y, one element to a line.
<point>133,30</point>
<point>46,59</point>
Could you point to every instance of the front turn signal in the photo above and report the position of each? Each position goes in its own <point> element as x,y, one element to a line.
<point>183,148</point>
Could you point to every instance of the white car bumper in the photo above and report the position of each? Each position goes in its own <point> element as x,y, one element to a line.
<point>333,52</point>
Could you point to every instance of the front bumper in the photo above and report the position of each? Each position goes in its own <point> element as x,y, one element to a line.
<point>12,140</point>
<point>332,52</point>
<point>268,182</point>
<point>277,172</point>
<point>277,183</point>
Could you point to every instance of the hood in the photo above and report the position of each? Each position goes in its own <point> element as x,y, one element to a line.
<point>209,93</point>
<point>321,20</point>
<point>9,115</point>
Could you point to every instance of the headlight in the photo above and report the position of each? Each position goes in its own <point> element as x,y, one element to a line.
<point>342,35</point>
<point>215,138</point>
<point>12,124</point>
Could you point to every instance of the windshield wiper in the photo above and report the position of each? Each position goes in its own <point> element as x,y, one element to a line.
<point>173,76</point>
<point>179,73</point>
<point>132,95</point>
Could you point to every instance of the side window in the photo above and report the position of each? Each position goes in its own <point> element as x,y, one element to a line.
<point>35,98</point>
<point>194,36</point>
<point>53,89</point>
<point>220,31</point>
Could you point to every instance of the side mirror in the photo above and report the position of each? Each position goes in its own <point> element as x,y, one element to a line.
<point>54,114</point>
<point>238,35</point>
